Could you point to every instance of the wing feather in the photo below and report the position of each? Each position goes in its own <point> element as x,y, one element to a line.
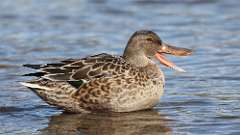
<point>76,69</point>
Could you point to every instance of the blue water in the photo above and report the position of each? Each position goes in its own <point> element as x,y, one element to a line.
<point>205,100</point>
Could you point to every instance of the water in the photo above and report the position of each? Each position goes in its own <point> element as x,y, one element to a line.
<point>205,100</point>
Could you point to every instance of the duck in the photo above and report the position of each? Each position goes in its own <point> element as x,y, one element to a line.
<point>108,83</point>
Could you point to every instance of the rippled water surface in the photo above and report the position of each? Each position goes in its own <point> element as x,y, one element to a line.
<point>205,100</point>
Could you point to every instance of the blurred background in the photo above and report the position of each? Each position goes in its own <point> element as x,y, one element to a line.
<point>205,100</point>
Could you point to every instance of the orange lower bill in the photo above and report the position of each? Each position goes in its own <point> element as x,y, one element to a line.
<point>168,63</point>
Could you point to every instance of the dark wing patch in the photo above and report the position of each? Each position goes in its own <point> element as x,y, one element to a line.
<point>33,66</point>
<point>76,83</point>
<point>37,74</point>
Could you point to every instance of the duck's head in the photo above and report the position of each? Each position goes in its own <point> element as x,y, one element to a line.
<point>145,45</point>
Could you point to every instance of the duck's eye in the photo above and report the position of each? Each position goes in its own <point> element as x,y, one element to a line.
<point>149,39</point>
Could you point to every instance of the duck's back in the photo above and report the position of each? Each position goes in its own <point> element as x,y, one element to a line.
<point>86,68</point>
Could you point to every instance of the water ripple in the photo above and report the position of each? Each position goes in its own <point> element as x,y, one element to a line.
<point>205,100</point>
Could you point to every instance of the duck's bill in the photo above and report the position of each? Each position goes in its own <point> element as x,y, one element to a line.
<point>177,51</point>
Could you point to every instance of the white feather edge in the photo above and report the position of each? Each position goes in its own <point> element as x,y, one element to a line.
<point>35,86</point>
<point>48,78</point>
<point>71,79</point>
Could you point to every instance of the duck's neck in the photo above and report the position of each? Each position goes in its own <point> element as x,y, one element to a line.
<point>137,60</point>
<point>135,56</point>
<point>145,65</point>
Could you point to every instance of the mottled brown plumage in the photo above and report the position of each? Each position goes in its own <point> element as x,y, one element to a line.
<point>105,82</point>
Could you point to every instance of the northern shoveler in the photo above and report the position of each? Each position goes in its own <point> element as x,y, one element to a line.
<point>105,82</point>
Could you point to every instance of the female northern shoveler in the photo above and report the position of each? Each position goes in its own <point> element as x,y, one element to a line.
<point>105,82</point>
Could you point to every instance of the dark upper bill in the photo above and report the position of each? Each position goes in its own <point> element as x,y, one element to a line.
<point>177,51</point>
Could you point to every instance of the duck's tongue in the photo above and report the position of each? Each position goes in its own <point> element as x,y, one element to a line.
<point>177,51</point>
<point>168,63</point>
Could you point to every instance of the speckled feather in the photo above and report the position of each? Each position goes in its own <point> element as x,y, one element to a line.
<point>107,83</point>
<point>110,89</point>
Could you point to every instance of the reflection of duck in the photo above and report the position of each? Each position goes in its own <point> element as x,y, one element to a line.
<point>108,83</point>
<point>135,123</point>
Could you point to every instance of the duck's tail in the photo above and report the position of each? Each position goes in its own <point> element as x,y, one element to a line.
<point>60,94</point>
